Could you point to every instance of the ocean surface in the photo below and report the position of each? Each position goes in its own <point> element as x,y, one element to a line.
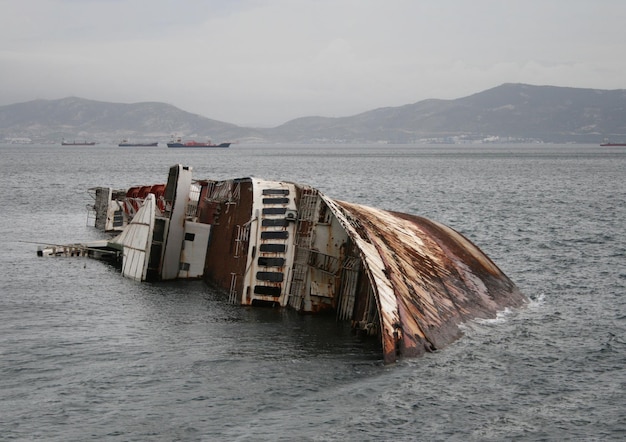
<point>88,355</point>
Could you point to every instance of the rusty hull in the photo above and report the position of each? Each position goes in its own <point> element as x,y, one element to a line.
<point>226,206</point>
<point>428,278</point>
<point>417,280</point>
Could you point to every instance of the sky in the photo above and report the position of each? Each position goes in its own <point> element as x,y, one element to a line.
<point>262,63</point>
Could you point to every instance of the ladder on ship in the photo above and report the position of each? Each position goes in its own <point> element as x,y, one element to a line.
<point>307,211</point>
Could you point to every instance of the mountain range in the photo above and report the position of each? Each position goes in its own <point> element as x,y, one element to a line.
<point>507,113</point>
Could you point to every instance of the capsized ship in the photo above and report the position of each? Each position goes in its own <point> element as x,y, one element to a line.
<point>406,279</point>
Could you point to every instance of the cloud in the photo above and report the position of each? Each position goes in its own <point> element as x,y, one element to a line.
<point>265,62</point>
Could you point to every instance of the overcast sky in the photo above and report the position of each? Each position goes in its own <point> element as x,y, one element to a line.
<point>264,62</point>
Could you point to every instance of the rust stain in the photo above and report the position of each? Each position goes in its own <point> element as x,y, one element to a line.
<point>436,277</point>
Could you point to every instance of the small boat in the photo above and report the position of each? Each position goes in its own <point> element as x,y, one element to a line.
<point>126,143</point>
<point>78,143</point>
<point>180,143</point>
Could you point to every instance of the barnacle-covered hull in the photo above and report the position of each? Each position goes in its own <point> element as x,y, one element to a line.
<point>408,280</point>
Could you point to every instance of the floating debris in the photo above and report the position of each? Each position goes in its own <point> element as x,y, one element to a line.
<point>406,279</point>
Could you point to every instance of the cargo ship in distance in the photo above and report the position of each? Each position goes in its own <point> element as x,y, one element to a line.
<point>612,144</point>
<point>126,143</point>
<point>77,143</point>
<point>607,142</point>
<point>180,143</point>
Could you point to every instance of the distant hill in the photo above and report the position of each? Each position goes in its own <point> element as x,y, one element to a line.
<point>80,119</point>
<point>507,113</point>
<point>511,112</point>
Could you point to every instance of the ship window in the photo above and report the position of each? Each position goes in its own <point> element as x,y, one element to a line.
<point>281,234</point>
<point>274,210</point>
<point>267,290</point>
<point>275,200</point>
<point>275,191</point>
<point>275,222</point>
<point>270,276</point>
<point>271,262</point>
<point>273,248</point>
<point>190,236</point>
<point>118,218</point>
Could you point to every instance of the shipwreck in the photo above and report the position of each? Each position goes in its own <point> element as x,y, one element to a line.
<point>403,278</point>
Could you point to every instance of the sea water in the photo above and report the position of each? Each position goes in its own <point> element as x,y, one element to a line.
<point>88,355</point>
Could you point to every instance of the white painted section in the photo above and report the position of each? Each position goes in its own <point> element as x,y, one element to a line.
<point>136,240</point>
<point>252,267</point>
<point>176,231</point>
<point>194,251</point>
